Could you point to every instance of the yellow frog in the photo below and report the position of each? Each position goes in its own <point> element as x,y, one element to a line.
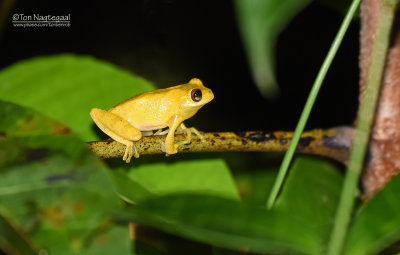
<point>138,116</point>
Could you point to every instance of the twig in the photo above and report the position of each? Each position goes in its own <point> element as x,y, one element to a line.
<point>333,143</point>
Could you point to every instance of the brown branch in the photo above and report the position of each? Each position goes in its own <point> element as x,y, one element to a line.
<point>384,148</point>
<point>333,143</point>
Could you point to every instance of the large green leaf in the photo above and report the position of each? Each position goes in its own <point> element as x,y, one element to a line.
<point>130,189</point>
<point>377,224</point>
<point>311,195</point>
<point>207,176</point>
<point>53,186</point>
<point>299,224</point>
<point>66,87</point>
<point>254,185</point>
<point>260,23</point>
<point>222,222</point>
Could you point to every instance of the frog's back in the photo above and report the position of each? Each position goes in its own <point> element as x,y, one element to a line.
<point>149,110</point>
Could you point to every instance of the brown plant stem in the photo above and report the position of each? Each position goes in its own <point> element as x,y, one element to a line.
<point>384,148</point>
<point>333,143</point>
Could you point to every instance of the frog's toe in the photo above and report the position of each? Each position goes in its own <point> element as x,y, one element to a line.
<point>197,133</point>
<point>125,154</point>
<point>174,150</point>
<point>188,135</point>
<point>134,151</point>
<point>129,152</point>
<point>169,151</point>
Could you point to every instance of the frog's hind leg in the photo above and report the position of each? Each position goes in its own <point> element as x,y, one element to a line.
<point>118,129</point>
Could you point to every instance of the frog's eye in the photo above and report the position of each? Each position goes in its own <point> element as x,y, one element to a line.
<point>196,94</point>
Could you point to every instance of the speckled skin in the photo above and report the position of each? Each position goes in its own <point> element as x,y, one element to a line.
<point>149,111</point>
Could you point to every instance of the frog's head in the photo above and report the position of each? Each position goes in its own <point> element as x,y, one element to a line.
<point>197,94</point>
<point>193,95</point>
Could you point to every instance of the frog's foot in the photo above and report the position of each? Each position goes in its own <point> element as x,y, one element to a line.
<point>182,130</point>
<point>188,133</point>
<point>169,151</point>
<point>196,132</point>
<point>129,152</point>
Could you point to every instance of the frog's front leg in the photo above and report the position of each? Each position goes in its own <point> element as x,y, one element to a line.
<point>170,146</point>
<point>188,133</point>
<point>118,129</point>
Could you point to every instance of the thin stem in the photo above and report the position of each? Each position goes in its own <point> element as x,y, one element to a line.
<point>309,104</point>
<point>367,111</point>
<point>333,143</point>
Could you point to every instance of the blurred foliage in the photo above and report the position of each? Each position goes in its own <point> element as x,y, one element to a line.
<point>12,239</point>
<point>377,223</point>
<point>260,23</point>
<point>53,186</point>
<point>292,227</point>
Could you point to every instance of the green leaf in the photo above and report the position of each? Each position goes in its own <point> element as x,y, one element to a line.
<point>253,185</point>
<point>299,224</point>
<point>221,222</point>
<point>260,23</point>
<point>311,195</point>
<point>313,186</point>
<point>12,240</point>
<point>206,176</point>
<point>66,87</point>
<point>377,224</point>
<point>52,185</point>
<point>112,239</point>
<point>130,189</point>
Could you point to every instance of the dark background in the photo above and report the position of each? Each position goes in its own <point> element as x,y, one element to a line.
<point>169,42</point>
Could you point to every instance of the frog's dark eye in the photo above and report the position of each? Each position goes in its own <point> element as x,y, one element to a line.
<point>196,95</point>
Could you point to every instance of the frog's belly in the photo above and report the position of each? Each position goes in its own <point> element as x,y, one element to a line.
<point>149,127</point>
<point>145,123</point>
<point>144,120</point>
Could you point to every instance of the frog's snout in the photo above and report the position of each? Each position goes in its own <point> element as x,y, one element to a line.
<point>210,95</point>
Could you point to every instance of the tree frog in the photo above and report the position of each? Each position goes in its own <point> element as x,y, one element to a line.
<point>140,115</point>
